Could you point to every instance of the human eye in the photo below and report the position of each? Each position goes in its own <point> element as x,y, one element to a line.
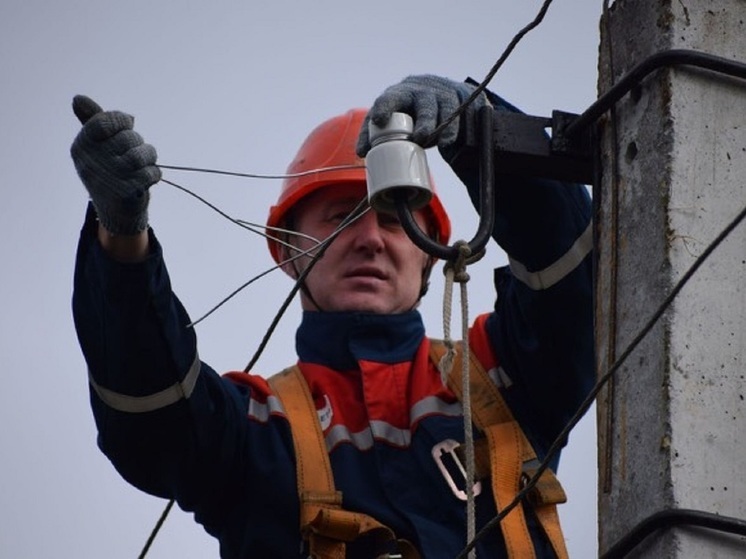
<point>337,216</point>
<point>389,220</point>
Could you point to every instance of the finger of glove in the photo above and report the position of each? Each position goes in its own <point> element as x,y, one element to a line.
<point>84,108</point>
<point>117,176</point>
<point>363,140</point>
<point>426,114</point>
<point>439,104</point>
<point>138,157</point>
<point>144,178</point>
<point>133,170</point>
<point>396,98</point>
<point>428,99</point>
<point>116,195</point>
<point>109,152</point>
<point>420,103</point>
<point>104,125</point>
<point>115,156</point>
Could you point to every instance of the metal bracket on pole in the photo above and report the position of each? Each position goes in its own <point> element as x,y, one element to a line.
<point>534,146</point>
<point>486,206</point>
<point>559,148</point>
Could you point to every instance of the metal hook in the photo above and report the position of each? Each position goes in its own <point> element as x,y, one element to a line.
<point>486,202</point>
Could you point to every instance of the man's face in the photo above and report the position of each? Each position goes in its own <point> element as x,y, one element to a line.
<point>371,266</point>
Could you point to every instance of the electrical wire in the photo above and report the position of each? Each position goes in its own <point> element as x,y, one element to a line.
<point>261,176</point>
<point>355,214</point>
<point>501,60</point>
<point>257,229</point>
<point>491,74</point>
<point>561,439</point>
<point>156,529</point>
<point>670,518</point>
<point>309,252</point>
<point>316,253</point>
<point>253,227</point>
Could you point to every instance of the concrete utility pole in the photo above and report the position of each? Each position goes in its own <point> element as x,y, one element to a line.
<point>672,425</point>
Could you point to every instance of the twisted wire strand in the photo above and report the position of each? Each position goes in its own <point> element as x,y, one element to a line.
<point>468,431</point>
<point>356,213</point>
<point>561,439</point>
<point>259,175</point>
<point>491,74</point>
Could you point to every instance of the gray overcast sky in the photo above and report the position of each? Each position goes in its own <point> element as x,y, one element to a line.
<point>234,86</point>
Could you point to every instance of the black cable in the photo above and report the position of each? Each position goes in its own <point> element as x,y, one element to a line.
<point>509,49</point>
<point>671,518</point>
<point>356,212</point>
<point>155,530</point>
<point>486,202</point>
<point>491,74</point>
<point>208,204</point>
<point>353,215</point>
<point>673,57</point>
<point>259,175</point>
<point>559,442</point>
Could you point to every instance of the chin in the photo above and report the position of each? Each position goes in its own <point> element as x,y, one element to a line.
<point>365,304</point>
<point>366,308</point>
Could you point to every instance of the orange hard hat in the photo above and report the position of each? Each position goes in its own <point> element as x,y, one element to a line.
<point>327,158</point>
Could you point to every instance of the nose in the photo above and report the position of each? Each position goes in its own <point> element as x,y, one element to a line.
<point>367,232</point>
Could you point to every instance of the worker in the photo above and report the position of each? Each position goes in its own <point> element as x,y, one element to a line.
<point>225,446</point>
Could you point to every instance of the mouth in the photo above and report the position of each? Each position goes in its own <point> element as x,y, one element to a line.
<point>367,272</point>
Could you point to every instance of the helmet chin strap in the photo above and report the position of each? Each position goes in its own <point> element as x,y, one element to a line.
<point>426,271</point>
<point>304,288</point>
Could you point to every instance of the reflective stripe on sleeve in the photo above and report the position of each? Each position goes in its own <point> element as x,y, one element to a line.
<point>546,278</point>
<point>151,402</point>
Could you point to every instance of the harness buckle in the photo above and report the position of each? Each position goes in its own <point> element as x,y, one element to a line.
<point>449,464</point>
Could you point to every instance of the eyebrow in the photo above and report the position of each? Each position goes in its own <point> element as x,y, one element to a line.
<point>344,201</point>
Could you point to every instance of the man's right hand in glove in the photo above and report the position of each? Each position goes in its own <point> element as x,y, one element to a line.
<point>117,168</point>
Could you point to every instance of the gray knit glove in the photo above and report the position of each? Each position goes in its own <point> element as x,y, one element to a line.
<point>116,166</point>
<point>429,100</point>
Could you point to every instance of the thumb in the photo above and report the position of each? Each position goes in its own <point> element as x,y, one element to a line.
<point>85,107</point>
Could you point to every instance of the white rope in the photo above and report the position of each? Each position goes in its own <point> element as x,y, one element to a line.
<point>456,272</point>
<point>446,362</point>
<point>468,433</point>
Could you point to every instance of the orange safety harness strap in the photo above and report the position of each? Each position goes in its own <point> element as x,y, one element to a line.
<point>323,522</point>
<point>510,457</point>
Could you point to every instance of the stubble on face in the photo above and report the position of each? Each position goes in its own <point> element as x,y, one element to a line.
<point>371,266</point>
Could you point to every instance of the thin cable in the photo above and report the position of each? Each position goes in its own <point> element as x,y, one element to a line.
<point>259,228</point>
<point>252,227</point>
<point>244,285</point>
<point>256,230</point>
<point>559,442</point>
<point>155,530</point>
<point>208,204</point>
<point>358,211</point>
<point>261,176</point>
<point>491,74</point>
<point>673,518</point>
<point>471,522</point>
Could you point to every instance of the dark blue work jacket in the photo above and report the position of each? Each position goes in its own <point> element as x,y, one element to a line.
<point>221,446</point>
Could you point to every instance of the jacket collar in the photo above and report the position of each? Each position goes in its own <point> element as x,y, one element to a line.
<point>340,339</point>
